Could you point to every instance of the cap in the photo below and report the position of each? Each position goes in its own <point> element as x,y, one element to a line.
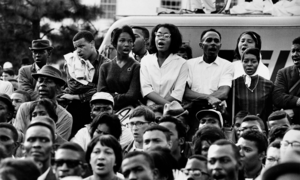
<point>50,71</point>
<point>202,113</point>
<point>6,99</point>
<point>102,96</point>
<point>281,169</point>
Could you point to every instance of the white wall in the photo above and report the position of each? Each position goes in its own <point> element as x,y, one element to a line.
<point>137,7</point>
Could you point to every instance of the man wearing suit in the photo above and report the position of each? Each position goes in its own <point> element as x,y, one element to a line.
<point>38,146</point>
<point>41,51</point>
<point>286,93</point>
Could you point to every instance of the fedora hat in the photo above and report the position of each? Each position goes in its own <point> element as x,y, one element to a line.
<point>40,44</point>
<point>50,71</point>
<point>174,109</point>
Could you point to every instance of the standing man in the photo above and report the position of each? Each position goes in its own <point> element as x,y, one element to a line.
<point>8,138</point>
<point>18,98</point>
<point>6,108</point>
<point>49,83</point>
<point>139,166</point>
<point>38,145</point>
<point>224,160</point>
<point>178,135</point>
<point>141,43</point>
<point>69,161</point>
<point>139,120</point>
<point>286,94</point>
<point>210,76</point>
<point>156,136</point>
<point>82,68</point>
<point>253,146</point>
<point>41,52</point>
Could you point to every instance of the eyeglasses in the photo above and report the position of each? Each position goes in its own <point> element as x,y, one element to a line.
<point>137,124</point>
<point>293,144</point>
<point>272,159</point>
<point>69,163</point>
<point>160,35</point>
<point>194,172</point>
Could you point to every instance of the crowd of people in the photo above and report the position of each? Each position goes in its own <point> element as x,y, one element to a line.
<point>145,109</point>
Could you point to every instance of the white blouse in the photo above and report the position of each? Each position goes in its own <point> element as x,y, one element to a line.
<point>169,79</point>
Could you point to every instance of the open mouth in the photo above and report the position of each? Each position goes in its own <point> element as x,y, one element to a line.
<point>244,48</point>
<point>100,166</point>
<point>160,44</point>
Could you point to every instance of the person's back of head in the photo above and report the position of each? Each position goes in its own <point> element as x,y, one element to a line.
<point>277,133</point>
<point>18,169</point>
<point>278,118</point>
<point>164,162</point>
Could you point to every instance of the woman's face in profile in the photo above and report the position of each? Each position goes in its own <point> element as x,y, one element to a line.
<point>245,42</point>
<point>163,39</point>
<point>39,110</point>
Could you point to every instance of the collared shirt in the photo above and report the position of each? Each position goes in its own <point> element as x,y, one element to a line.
<point>207,78</point>
<point>85,92</point>
<point>37,68</point>
<point>169,79</point>
<point>44,175</point>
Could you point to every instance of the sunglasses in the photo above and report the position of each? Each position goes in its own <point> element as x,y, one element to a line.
<point>69,163</point>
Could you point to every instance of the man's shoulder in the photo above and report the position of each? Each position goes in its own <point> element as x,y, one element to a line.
<point>224,61</point>
<point>287,69</point>
<point>26,68</point>
<point>62,111</point>
<point>192,61</point>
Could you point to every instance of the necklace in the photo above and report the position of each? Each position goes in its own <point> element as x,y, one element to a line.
<point>254,86</point>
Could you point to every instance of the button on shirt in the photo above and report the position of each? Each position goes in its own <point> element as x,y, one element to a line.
<point>169,79</point>
<point>207,78</point>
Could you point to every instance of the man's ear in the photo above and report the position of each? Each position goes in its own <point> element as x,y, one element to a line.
<point>84,169</point>
<point>170,144</point>
<point>262,155</point>
<point>181,141</point>
<point>201,45</point>
<point>155,174</point>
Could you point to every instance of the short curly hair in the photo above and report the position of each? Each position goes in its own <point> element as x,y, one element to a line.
<point>176,38</point>
<point>257,137</point>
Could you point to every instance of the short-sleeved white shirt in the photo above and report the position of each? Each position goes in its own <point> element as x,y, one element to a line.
<point>169,79</point>
<point>207,78</point>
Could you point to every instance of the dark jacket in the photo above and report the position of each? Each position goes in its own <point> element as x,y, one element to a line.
<point>27,82</point>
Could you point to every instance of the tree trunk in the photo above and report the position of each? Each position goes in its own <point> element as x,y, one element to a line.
<point>36,29</point>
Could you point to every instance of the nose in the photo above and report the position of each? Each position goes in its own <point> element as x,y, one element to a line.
<point>36,144</point>
<point>242,153</point>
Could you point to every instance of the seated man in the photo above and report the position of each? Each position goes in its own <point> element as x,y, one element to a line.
<point>8,138</point>
<point>139,120</point>
<point>251,122</point>
<point>210,117</point>
<point>49,83</point>
<point>141,43</point>
<point>69,160</point>
<point>8,74</point>
<point>278,118</point>
<point>210,77</point>
<point>286,94</point>
<point>156,136</point>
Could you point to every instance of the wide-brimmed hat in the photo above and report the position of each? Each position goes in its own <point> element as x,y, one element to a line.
<point>40,44</point>
<point>50,71</point>
<point>104,96</point>
<point>174,109</point>
<point>202,113</point>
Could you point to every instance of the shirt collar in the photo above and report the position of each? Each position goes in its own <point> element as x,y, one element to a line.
<point>44,175</point>
<point>216,62</point>
<point>37,68</point>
